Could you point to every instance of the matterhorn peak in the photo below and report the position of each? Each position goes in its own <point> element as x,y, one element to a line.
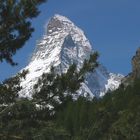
<point>58,22</point>
<point>61,18</point>
<point>62,45</point>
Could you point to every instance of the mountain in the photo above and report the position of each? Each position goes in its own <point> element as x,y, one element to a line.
<point>62,45</point>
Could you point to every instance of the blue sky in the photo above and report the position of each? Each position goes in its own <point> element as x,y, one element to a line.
<point>112,26</point>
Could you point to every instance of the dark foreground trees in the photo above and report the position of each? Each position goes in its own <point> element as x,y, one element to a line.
<point>35,118</point>
<point>15,25</point>
<point>114,117</point>
<point>52,116</point>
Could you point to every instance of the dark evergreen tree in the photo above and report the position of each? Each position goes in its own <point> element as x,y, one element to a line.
<point>33,119</point>
<point>9,91</point>
<point>115,116</point>
<point>15,25</point>
<point>52,88</point>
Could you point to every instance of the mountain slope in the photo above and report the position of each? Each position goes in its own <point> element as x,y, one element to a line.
<point>62,45</point>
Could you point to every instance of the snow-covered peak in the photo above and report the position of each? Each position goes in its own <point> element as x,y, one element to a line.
<point>62,45</point>
<point>59,30</point>
<point>57,23</point>
<point>61,18</point>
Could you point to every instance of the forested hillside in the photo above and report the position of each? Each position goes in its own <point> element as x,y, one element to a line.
<point>113,117</point>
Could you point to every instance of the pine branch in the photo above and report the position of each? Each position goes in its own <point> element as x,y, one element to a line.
<point>5,109</point>
<point>12,136</point>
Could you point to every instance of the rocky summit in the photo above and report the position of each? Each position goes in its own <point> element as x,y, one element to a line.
<point>62,45</point>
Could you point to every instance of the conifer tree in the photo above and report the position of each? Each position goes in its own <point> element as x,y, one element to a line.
<point>15,25</point>
<point>9,90</point>
<point>52,89</point>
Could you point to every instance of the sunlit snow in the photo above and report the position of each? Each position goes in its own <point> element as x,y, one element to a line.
<point>64,44</point>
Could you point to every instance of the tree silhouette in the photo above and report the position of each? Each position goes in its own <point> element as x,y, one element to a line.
<point>15,25</point>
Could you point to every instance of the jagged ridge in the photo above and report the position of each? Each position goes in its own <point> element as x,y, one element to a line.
<point>62,45</point>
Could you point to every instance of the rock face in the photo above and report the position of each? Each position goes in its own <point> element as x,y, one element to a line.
<point>135,74</point>
<point>136,65</point>
<point>62,45</point>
